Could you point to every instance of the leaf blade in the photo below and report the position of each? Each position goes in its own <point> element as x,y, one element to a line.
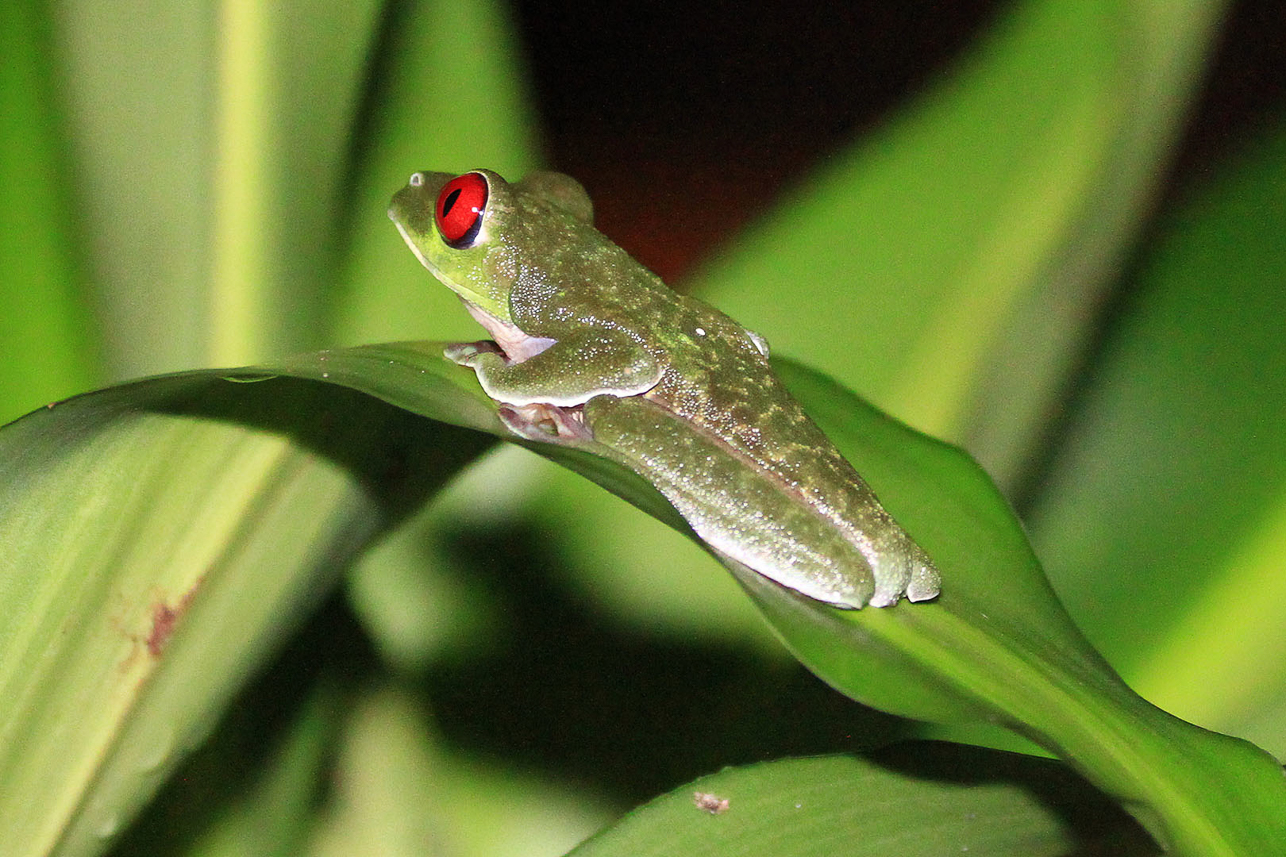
<point>840,804</point>
<point>201,519</point>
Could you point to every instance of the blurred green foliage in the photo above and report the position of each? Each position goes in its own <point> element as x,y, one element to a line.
<point>188,186</point>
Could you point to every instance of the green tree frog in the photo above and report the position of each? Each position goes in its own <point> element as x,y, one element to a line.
<point>588,345</point>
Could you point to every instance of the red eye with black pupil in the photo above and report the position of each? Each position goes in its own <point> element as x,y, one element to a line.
<point>459,210</point>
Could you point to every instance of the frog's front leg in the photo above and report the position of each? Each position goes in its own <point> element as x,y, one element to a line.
<point>569,372</point>
<point>541,395</point>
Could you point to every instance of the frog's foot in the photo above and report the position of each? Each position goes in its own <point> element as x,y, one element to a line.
<point>902,568</point>
<point>467,353</point>
<point>926,580</point>
<point>548,423</point>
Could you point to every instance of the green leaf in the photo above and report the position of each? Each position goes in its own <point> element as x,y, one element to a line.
<point>209,184</point>
<point>159,540</point>
<point>173,528</point>
<point>48,351</point>
<point>922,800</point>
<point>142,131</point>
<point>1173,465</point>
<point>996,646</point>
<point>223,187</point>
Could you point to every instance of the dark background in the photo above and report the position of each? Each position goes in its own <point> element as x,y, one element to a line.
<point>710,107</point>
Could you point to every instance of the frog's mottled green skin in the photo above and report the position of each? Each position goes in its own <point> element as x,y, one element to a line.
<point>590,345</point>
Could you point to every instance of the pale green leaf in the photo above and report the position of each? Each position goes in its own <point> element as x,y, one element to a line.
<point>159,540</point>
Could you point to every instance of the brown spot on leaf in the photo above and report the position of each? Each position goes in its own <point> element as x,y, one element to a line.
<point>165,619</point>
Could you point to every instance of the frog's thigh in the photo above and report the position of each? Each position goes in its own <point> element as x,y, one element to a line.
<point>738,509</point>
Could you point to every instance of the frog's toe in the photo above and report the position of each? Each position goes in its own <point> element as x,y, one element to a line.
<point>926,580</point>
<point>892,575</point>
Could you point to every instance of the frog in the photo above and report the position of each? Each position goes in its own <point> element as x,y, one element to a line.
<point>589,348</point>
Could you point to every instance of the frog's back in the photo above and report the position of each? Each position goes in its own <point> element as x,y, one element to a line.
<point>730,448</point>
<point>721,384</point>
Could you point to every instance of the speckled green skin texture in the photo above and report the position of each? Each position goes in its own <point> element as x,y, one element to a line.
<point>592,346</point>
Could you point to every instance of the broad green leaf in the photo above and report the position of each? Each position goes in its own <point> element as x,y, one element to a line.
<point>159,540</point>
<point>1158,68</point>
<point>995,647</point>
<point>1163,518</point>
<point>208,169</point>
<point>137,113</point>
<point>924,800</point>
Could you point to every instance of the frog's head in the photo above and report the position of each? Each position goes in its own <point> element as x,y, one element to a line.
<point>478,233</point>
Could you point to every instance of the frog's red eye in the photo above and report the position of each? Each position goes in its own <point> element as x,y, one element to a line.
<point>459,210</point>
